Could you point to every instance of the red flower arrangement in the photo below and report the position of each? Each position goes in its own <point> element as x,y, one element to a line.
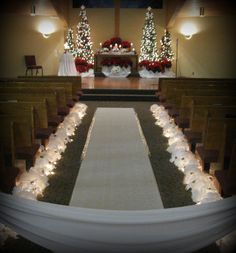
<point>82,65</point>
<point>116,40</point>
<point>125,44</point>
<point>166,64</point>
<point>144,63</point>
<point>117,62</point>
<point>155,66</point>
<point>106,44</point>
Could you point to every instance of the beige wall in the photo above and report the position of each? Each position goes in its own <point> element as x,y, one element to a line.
<point>20,36</point>
<point>211,52</point>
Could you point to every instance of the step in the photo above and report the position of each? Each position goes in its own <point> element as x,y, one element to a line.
<point>119,91</point>
<point>118,97</point>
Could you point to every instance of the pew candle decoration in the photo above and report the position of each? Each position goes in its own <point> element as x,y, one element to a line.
<point>32,184</point>
<point>200,183</point>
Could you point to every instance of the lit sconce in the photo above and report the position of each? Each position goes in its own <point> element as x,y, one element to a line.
<point>188,36</point>
<point>202,11</point>
<point>46,28</point>
<point>32,10</point>
<point>45,35</point>
<point>188,30</point>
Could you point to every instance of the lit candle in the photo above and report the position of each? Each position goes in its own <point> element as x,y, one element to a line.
<point>110,46</point>
<point>133,49</point>
<point>131,44</point>
<point>119,46</point>
<point>100,44</point>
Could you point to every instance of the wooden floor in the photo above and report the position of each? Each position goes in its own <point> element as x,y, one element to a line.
<point>135,83</point>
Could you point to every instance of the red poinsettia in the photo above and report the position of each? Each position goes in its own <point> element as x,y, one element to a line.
<point>125,44</point>
<point>155,66</point>
<point>116,40</point>
<point>80,61</point>
<point>82,65</point>
<point>116,62</point>
<point>106,44</point>
<point>144,63</point>
<point>166,64</point>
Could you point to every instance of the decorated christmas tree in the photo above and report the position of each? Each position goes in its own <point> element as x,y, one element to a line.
<point>148,49</point>
<point>166,52</point>
<point>70,41</point>
<point>83,48</point>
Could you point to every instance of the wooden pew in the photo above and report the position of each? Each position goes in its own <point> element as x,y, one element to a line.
<point>199,117</point>
<point>35,94</point>
<point>188,103</point>
<point>174,96</point>
<point>192,82</point>
<point>63,110</point>
<point>17,138</point>
<point>50,83</point>
<point>225,179</point>
<point>213,139</point>
<point>74,80</point>
<point>8,174</point>
<point>39,117</point>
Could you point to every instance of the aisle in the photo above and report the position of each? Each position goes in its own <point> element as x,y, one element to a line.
<point>116,172</point>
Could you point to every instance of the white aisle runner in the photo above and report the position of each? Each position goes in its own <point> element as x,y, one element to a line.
<point>116,173</point>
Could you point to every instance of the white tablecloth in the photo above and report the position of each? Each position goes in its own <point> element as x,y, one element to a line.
<point>67,65</point>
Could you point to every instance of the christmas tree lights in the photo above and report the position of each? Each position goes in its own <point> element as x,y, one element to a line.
<point>70,41</point>
<point>83,48</point>
<point>166,52</point>
<point>148,50</point>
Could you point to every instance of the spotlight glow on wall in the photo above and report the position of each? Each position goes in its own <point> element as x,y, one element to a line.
<point>46,28</point>
<point>188,30</point>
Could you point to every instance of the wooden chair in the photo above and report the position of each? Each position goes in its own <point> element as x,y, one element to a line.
<point>30,63</point>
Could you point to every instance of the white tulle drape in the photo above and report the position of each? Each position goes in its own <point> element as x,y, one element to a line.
<point>72,229</point>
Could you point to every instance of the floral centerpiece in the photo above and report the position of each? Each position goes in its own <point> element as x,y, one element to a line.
<point>83,67</point>
<point>116,67</point>
<point>152,69</point>
<point>116,45</point>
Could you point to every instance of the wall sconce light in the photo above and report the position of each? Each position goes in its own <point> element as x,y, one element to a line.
<point>202,11</point>
<point>46,35</point>
<point>188,30</point>
<point>46,28</point>
<point>188,36</point>
<point>32,10</point>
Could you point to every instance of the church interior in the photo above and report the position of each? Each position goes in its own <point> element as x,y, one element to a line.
<point>118,126</point>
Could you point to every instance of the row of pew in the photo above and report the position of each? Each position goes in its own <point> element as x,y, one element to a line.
<point>205,110</point>
<point>31,108</point>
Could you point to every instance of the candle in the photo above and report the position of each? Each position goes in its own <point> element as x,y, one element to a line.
<point>110,46</point>
<point>119,46</point>
<point>100,44</point>
<point>131,44</point>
